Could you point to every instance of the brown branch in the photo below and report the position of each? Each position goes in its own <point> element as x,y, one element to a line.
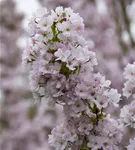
<point>127,21</point>
<point>118,27</point>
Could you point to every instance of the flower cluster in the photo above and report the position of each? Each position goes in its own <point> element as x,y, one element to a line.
<point>105,33</point>
<point>127,115</point>
<point>129,86</point>
<point>61,68</point>
<point>81,133</point>
<point>55,51</point>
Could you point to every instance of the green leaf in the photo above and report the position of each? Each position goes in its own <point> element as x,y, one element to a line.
<point>65,70</point>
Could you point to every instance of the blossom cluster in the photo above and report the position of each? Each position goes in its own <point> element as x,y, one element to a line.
<point>127,114</point>
<point>129,86</point>
<point>46,53</point>
<point>61,71</point>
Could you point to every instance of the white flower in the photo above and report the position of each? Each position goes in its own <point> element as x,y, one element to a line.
<point>59,10</point>
<point>62,55</point>
<point>77,22</point>
<point>81,91</point>
<point>72,63</point>
<point>65,26</point>
<point>77,108</point>
<point>95,142</point>
<point>101,102</point>
<point>85,128</point>
<point>39,14</point>
<point>45,24</point>
<point>81,54</point>
<point>113,96</point>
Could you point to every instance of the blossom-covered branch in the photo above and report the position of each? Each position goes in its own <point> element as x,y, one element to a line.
<point>61,70</point>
